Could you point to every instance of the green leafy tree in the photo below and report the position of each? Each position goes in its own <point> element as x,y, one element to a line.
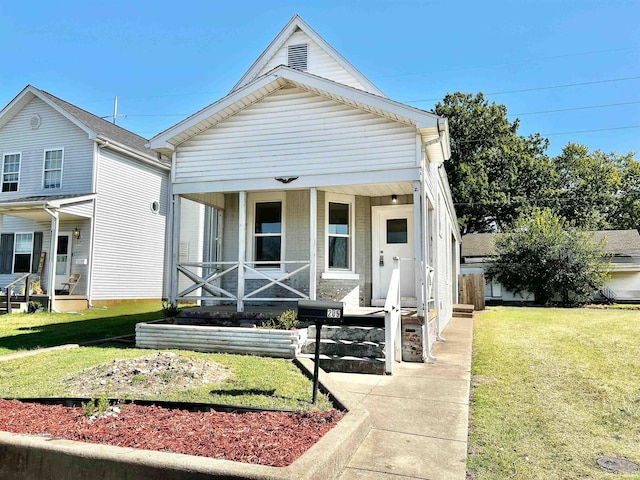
<point>494,173</point>
<point>626,214</point>
<point>543,255</point>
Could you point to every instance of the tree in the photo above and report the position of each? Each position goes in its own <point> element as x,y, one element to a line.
<point>494,173</point>
<point>587,186</point>
<point>626,214</point>
<point>543,255</point>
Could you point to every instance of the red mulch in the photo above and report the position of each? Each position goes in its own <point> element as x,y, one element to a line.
<point>265,438</point>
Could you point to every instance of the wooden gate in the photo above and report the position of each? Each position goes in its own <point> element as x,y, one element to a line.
<point>472,290</point>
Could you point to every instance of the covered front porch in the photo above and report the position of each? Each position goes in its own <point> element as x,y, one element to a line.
<point>33,227</point>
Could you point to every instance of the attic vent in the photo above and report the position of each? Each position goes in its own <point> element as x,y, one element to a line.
<point>34,122</point>
<point>297,56</point>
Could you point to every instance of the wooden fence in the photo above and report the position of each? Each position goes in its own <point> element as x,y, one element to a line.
<point>472,290</point>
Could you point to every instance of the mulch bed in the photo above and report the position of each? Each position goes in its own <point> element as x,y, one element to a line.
<point>265,438</point>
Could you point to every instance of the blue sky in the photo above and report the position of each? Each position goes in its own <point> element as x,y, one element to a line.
<point>165,60</point>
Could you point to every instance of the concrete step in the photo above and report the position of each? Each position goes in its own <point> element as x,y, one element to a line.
<point>356,334</point>
<point>463,314</point>
<point>345,348</point>
<point>463,308</point>
<point>350,364</point>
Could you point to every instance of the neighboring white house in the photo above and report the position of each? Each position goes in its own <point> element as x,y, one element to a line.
<point>622,245</point>
<point>86,189</point>
<point>311,182</point>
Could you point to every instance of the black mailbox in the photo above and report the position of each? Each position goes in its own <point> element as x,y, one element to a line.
<point>320,311</point>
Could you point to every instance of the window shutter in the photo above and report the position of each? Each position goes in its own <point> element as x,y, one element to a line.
<point>6,253</point>
<point>37,250</point>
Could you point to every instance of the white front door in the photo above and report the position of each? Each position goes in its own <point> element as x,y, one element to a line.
<point>63,259</point>
<point>393,236</point>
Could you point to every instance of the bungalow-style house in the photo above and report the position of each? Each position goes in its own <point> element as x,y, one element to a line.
<point>81,199</point>
<point>314,184</point>
<point>622,245</point>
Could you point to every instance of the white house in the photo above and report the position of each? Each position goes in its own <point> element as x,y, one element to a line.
<point>313,181</point>
<point>622,245</point>
<point>86,189</point>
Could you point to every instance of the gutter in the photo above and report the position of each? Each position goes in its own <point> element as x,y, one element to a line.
<point>106,143</point>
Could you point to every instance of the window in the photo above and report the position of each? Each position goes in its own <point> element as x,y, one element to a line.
<point>22,253</point>
<point>339,230</point>
<point>268,233</point>
<point>52,168</point>
<point>10,172</point>
<point>397,230</point>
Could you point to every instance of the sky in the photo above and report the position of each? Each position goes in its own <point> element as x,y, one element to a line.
<point>568,69</point>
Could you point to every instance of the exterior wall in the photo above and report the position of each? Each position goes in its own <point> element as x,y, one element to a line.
<point>318,63</point>
<point>625,284</point>
<point>55,132</point>
<point>293,132</point>
<point>494,291</point>
<point>191,248</point>
<point>128,260</point>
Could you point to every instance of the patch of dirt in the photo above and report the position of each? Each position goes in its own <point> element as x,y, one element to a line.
<point>144,376</point>
<point>266,438</point>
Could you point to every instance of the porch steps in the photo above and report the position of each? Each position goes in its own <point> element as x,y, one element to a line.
<point>348,348</point>
<point>463,310</point>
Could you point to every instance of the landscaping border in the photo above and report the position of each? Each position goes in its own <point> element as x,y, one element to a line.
<point>35,458</point>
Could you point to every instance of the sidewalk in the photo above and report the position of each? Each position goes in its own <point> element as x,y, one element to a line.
<point>419,415</point>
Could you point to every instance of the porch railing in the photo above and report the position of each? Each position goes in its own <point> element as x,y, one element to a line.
<point>392,320</point>
<point>208,280</point>
<point>9,290</point>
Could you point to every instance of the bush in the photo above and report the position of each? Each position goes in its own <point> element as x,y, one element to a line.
<point>287,320</point>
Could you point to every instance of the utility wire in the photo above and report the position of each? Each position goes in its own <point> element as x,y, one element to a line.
<point>572,109</point>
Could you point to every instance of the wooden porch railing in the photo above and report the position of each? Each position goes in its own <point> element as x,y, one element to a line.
<point>209,281</point>
<point>392,320</point>
<point>9,290</point>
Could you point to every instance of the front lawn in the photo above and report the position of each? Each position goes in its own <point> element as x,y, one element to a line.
<point>23,331</point>
<point>553,390</point>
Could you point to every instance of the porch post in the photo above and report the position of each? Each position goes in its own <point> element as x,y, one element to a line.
<point>53,249</point>
<point>313,239</point>
<point>417,231</point>
<point>175,249</point>
<point>242,246</point>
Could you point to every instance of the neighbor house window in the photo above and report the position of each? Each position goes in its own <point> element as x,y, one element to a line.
<point>22,253</point>
<point>53,168</point>
<point>340,232</point>
<point>10,172</point>
<point>268,234</point>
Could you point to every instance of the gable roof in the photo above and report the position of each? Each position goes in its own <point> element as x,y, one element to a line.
<point>430,126</point>
<point>94,126</point>
<point>618,242</point>
<point>297,23</point>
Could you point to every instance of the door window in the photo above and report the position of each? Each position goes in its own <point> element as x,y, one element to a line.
<point>397,230</point>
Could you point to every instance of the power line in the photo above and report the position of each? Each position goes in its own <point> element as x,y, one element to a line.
<point>628,127</point>
<point>550,87</point>
<point>573,108</point>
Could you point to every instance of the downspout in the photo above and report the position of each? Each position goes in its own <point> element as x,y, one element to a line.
<point>53,248</point>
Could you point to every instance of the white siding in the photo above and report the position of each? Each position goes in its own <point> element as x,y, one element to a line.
<point>55,132</point>
<point>293,132</point>
<point>320,63</point>
<point>191,248</point>
<point>129,238</point>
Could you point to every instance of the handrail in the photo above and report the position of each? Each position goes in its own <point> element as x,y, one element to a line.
<point>8,290</point>
<point>392,319</point>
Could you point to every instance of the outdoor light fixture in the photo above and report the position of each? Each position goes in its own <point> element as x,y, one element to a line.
<point>76,233</point>
<point>394,198</point>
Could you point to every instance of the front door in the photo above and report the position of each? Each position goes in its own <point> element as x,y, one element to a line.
<point>393,236</point>
<point>63,259</point>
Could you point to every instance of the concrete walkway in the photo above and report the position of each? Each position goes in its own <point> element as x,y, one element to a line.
<point>419,415</point>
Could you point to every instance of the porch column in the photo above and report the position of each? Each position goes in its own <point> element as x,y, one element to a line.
<point>313,239</point>
<point>420,266</point>
<point>53,250</point>
<point>175,249</point>
<point>242,246</point>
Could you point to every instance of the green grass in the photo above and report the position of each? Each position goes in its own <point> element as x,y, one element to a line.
<point>553,390</point>
<point>22,331</point>
<point>255,381</point>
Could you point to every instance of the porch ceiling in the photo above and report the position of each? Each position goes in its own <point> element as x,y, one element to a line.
<point>372,190</point>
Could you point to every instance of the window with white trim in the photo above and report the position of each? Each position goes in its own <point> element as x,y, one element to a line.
<point>10,172</point>
<point>22,252</point>
<point>339,221</point>
<point>52,177</point>
<point>268,231</point>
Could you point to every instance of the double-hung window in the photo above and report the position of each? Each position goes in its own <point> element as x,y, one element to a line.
<point>267,234</point>
<point>10,172</point>
<point>52,177</point>
<point>340,229</point>
<point>22,252</point>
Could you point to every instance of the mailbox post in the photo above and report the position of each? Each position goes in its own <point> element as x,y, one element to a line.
<point>319,312</point>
